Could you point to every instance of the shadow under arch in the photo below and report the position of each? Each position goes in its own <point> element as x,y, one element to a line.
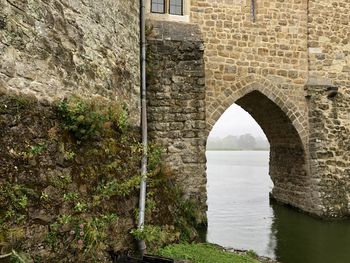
<point>288,167</point>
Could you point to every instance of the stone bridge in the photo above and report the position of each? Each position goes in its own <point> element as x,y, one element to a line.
<point>289,68</point>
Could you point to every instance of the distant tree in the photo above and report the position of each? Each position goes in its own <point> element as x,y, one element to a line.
<point>230,142</point>
<point>214,144</point>
<point>246,141</point>
<point>243,142</point>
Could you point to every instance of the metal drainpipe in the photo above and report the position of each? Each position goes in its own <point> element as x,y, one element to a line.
<point>142,200</point>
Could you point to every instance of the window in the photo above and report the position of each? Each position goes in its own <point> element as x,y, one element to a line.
<point>173,7</point>
<point>176,7</point>
<point>158,6</point>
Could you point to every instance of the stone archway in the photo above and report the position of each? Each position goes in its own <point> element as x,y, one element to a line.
<point>216,106</point>
<point>284,127</point>
<point>186,97</point>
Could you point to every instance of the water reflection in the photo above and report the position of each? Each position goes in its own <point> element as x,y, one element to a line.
<point>302,238</point>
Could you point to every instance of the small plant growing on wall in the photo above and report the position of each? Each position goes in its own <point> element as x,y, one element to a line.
<point>87,119</point>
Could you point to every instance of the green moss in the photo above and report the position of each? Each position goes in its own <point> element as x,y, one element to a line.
<point>204,253</point>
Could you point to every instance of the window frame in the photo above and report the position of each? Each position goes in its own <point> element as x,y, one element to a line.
<point>182,8</point>
<point>164,7</point>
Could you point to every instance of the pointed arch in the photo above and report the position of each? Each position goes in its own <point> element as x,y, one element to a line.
<point>216,107</point>
<point>284,125</point>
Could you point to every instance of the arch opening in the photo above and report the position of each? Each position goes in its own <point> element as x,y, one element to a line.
<point>238,183</point>
<point>287,159</point>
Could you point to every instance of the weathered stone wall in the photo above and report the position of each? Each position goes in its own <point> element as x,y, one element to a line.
<point>44,174</point>
<point>289,44</point>
<point>329,41</point>
<point>329,116</point>
<point>51,49</point>
<point>328,92</point>
<point>272,67</point>
<point>262,66</point>
<point>273,49</point>
<point>69,197</point>
<point>176,100</point>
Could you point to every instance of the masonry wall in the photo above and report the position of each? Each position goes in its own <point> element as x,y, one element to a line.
<point>329,41</point>
<point>176,102</point>
<point>328,92</point>
<point>52,49</point>
<point>273,48</point>
<point>329,117</point>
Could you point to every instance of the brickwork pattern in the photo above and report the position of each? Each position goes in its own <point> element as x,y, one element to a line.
<point>329,111</point>
<point>176,102</point>
<point>275,47</point>
<point>329,41</point>
<point>329,117</point>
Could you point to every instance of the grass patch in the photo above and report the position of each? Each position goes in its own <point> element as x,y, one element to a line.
<point>204,253</point>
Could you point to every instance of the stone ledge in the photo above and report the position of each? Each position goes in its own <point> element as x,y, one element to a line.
<point>164,30</point>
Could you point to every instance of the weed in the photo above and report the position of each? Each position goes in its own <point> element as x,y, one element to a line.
<point>61,181</point>
<point>86,119</point>
<point>18,257</point>
<point>71,196</point>
<point>80,118</point>
<point>154,155</point>
<point>156,236</point>
<point>69,155</point>
<point>114,188</point>
<point>80,207</point>
<point>123,118</point>
<point>37,149</point>
<point>65,219</point>
<point>44,196</point>
<point>52,238</point>
<point>14,197</point>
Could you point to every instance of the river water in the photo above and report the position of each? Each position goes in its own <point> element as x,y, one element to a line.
<point>240,214</point>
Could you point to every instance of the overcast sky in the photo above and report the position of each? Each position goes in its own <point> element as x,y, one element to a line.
<point>236,121</point>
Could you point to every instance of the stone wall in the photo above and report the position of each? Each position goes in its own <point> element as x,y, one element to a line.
<point>273,49</point>
<point>70,196</point>
<point>176,101</point>
<point>329,117</point>
<point>51,49</point>
<point>328,92</point>
<point>261,64</point>
<point>329,41</point>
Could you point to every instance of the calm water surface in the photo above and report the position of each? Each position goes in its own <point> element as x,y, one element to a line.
<point>241,216</point>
